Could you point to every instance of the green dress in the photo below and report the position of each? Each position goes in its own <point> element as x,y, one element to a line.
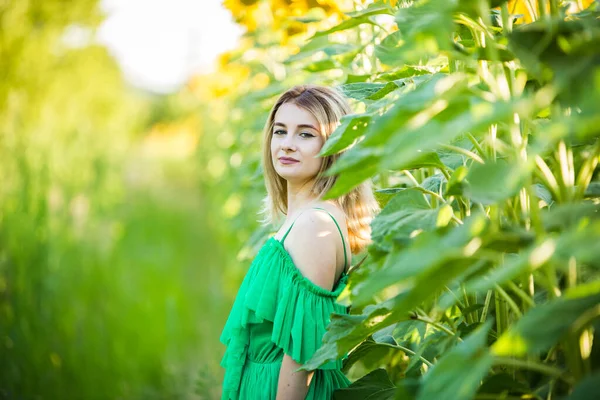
<point>278,311</point>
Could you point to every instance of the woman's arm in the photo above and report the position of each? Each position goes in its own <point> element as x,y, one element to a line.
<point>292,385</point>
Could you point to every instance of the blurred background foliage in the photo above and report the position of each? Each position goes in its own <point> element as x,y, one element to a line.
<point>128,219</point>
<point>110,282</point>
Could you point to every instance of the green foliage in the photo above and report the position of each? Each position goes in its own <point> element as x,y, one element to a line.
<point>376,384</point>
<point>482,138</point>
<point>446,381</point>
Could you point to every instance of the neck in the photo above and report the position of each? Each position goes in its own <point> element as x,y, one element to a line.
<point>299,196</point>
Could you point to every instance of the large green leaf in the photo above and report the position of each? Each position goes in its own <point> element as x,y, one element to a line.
<point>428,19</point>
<point>389,51</point>
<point>580,242</point>
<point>425,90</point>
<point>405,135</point>
<point>428,159</point>
<point>456,185</point>
<point>430,128</point>
<point>493,182</point>
<point>361,90</point>
<point>409,103</point>
<point>356,159</point>
<point>407,271</point>
<point>388,88</point>
<point>320,45</point>
<point>348,24</point>
<point>434,183</point>
<point>374,386</point>
<point>351,127</point>
<point>587,389</point>
<point>424,29</point>
<point>562,51</point>
<point>310,48</point>
<point>451,158</point>
<point>458,374</point>
<point>563,216</point>
<point>501,382</point>
<point>556,317</point>
<point>407,71</point>
<point>593,190</point>
<point>343,334</point>
<point>373,9</point>
<point>360,169</point>
<point>373,90</point>
<point>368,152</point>
<point>406,212</point>
<point>321,65</point>
<point>515,265</point>
<point>371,353</point>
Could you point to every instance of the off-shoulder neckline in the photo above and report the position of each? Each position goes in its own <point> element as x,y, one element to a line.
<point>313,286</point>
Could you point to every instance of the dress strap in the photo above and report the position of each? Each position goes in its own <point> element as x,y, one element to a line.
<point>290,228</point>
<point>336,224</point>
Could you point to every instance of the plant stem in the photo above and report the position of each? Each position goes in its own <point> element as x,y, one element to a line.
<point>384,179</point>
<point>433,194</point>
<point>522,295</point>
<point>534,366</point>
<point>437,325</point>
<point>411,177</point>
<point>572,272</point>
<point>475,144</point>
<point>500,315</point>
<point>373,57</point>
<point>553,8</point>
<point>565,160</point>
<point>446,174</point>
<point>468,316</point>
<point>587,171</point>
<point>545,174</point>
<point>534,211</point>
<point>465,152</point>
<point>486,306</point>
<point>460,304</point>
<point>541,8</point>
<point>412,353</point>
<point>506,21</point>
<point>511,303</point>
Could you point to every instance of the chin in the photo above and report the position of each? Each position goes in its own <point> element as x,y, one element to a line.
<point>295,177</point>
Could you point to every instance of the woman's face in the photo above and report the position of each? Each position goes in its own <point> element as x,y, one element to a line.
<point>295,143</point>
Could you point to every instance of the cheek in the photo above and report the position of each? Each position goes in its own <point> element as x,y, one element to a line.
<point>316,149</point>
<point>273,148</point>
<point>316,161</point>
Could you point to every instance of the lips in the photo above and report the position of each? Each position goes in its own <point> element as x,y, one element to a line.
<point>287,160</point>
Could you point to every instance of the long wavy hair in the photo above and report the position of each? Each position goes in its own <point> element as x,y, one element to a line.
<point>359,205</point>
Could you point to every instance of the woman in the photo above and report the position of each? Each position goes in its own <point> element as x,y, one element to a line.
<point>284,304</point>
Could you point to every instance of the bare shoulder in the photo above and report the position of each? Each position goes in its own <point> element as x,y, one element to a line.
<point>337,212</point>
<point>312,246</point>
<point>316,224</point>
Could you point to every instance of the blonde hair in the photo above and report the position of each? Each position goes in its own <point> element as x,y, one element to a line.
<point>328,106</point>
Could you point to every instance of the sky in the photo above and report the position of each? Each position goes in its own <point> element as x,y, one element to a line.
<point>159,44</point>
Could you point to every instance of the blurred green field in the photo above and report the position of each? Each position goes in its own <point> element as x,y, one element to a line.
<point>111,254</point>
<point>130,315</point>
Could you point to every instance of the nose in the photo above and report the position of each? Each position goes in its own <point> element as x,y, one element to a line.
<point>288,143</point>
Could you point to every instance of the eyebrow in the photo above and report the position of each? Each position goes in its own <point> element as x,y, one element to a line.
<point>299,126</point>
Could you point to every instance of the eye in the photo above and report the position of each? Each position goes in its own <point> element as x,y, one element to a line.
<point>306,135</point>
<point>279,132</point>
